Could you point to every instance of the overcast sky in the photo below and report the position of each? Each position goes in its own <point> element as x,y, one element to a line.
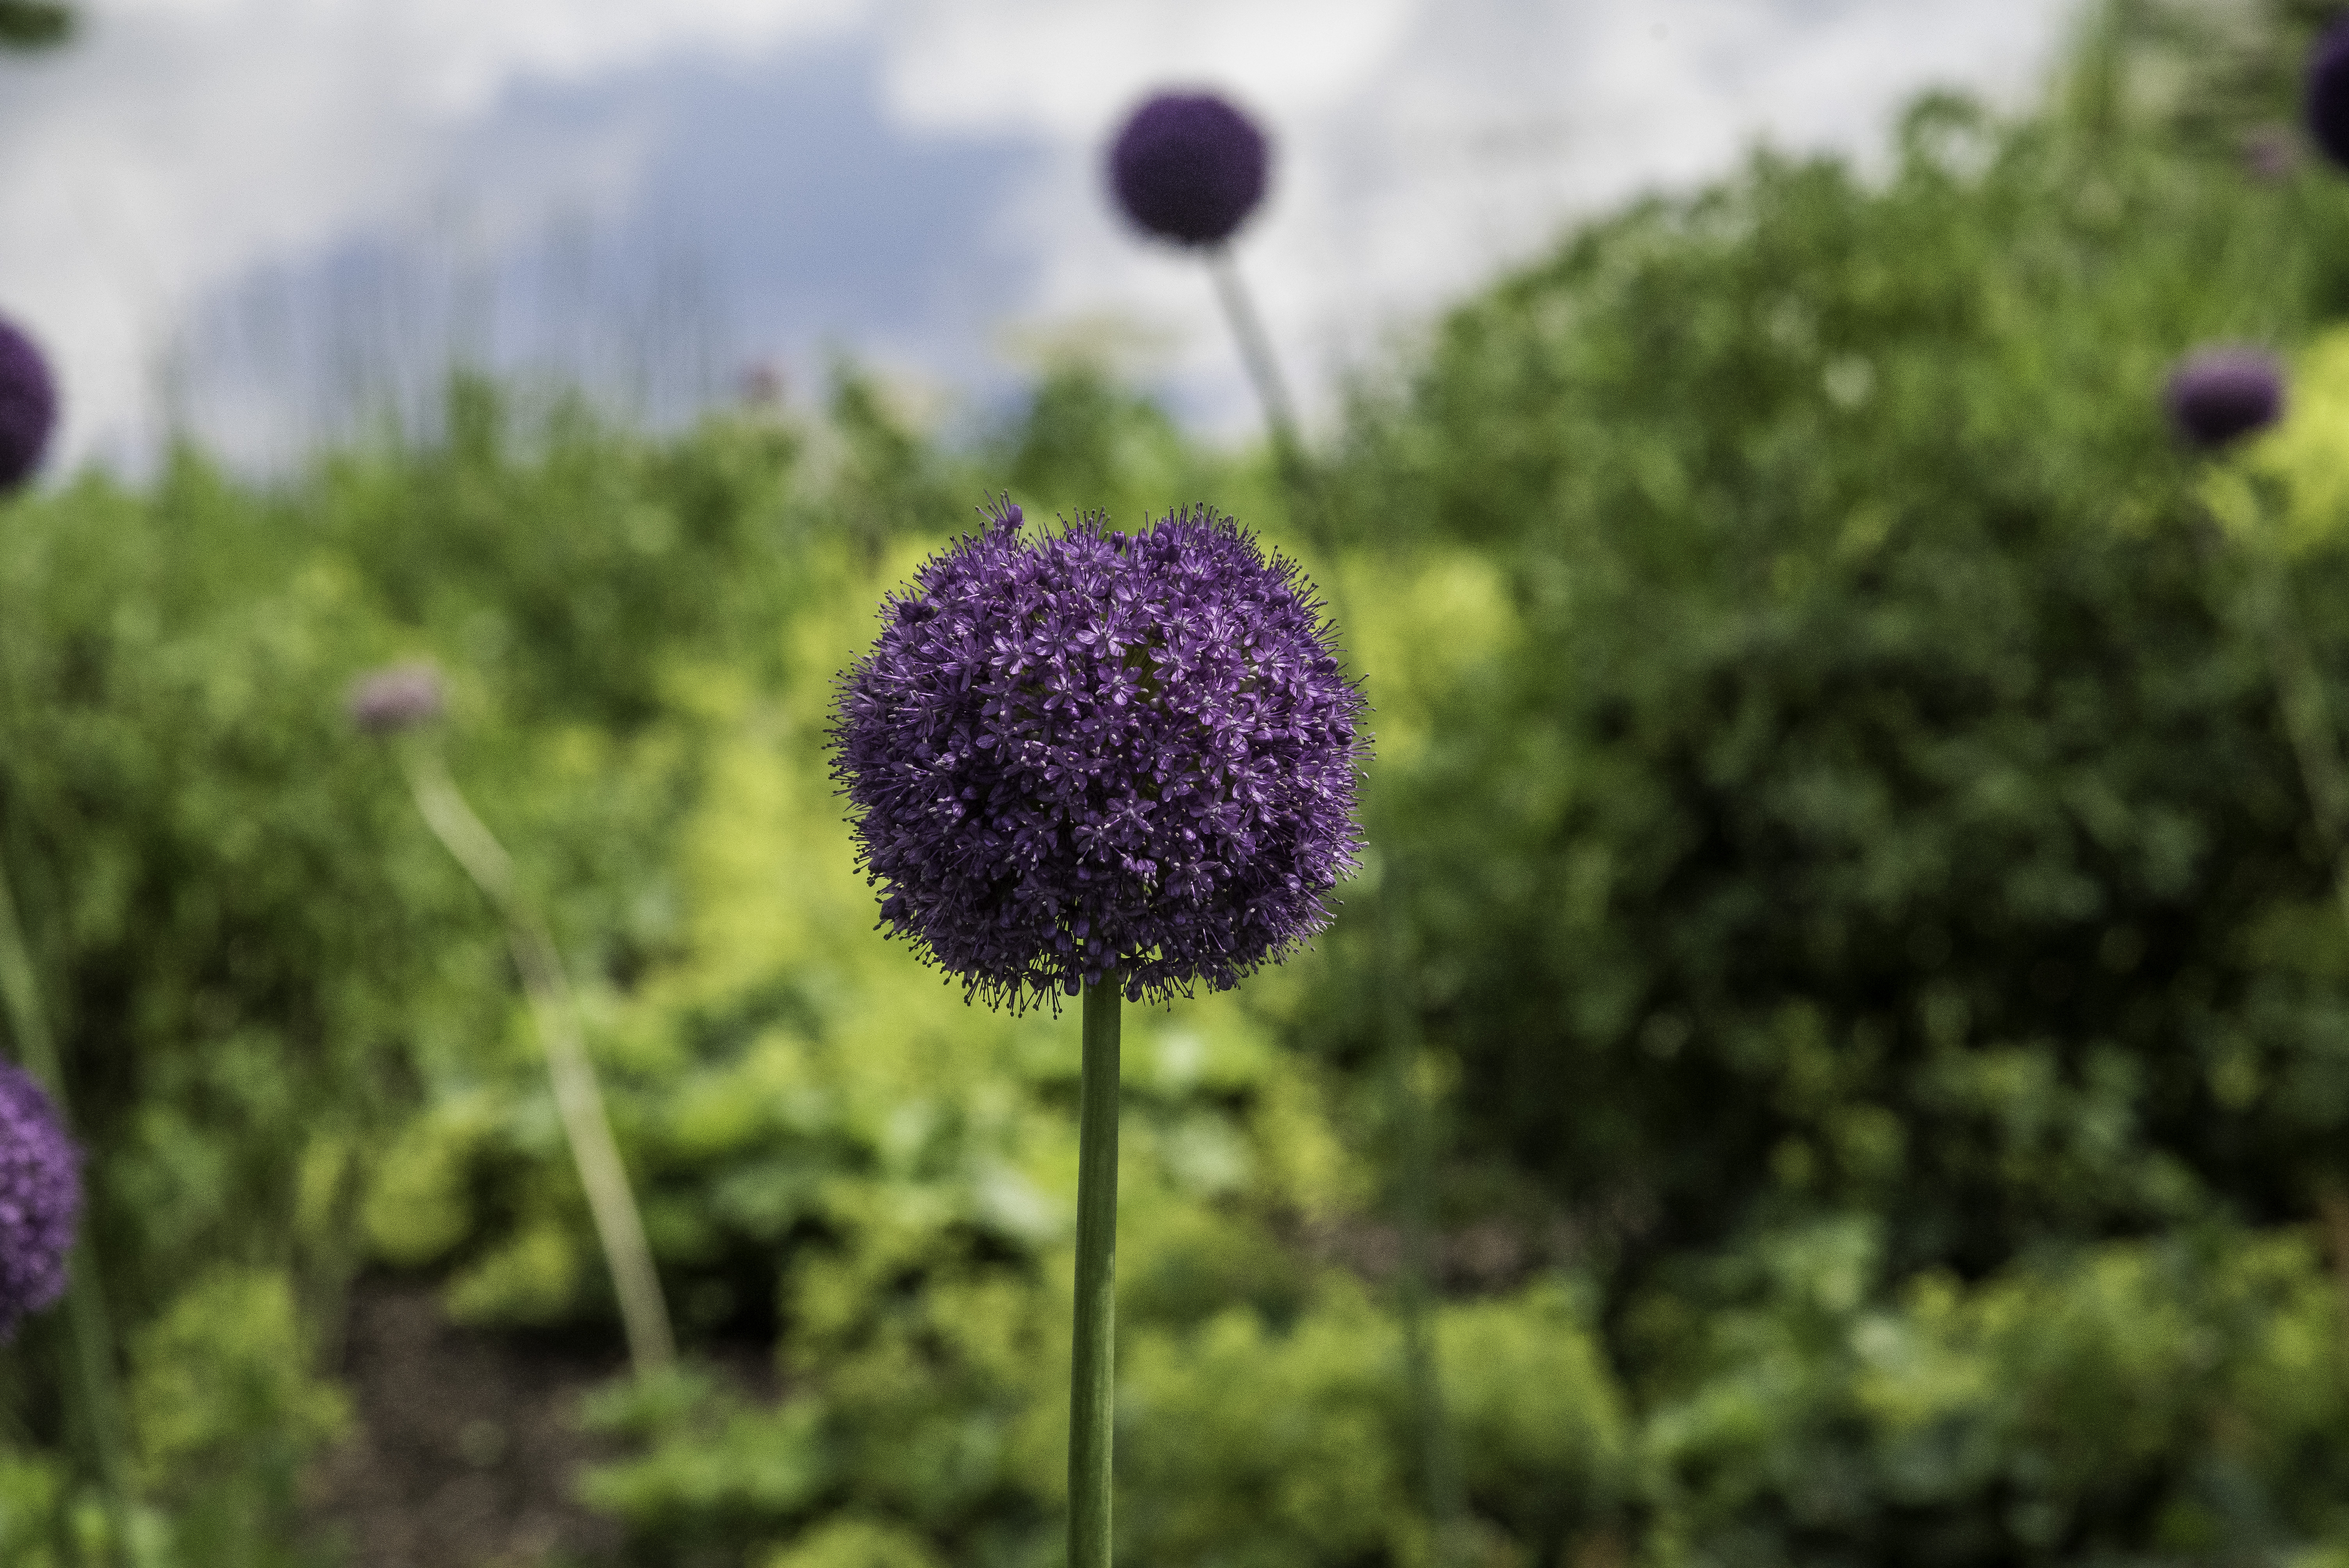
<point>251,216</point>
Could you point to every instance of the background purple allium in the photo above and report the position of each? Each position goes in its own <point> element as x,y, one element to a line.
<point>2327,103</point>
<point>28,406</point>
<point>1103,753</point>
<point>2219,396</point>
<point>400,696</point>
<point>40,1199</point>
<point>1188,166</point>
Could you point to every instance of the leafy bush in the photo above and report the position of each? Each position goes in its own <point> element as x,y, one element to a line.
<point>1877,778</point>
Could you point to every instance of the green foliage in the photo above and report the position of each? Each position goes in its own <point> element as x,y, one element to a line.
<point>222,1386</point>
<point>2178,1402</point>
<point>1875,776</point>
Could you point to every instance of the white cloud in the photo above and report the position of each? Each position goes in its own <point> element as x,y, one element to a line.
<point>1420,146</point>
<point>185,145</point>
<point>181,143</point>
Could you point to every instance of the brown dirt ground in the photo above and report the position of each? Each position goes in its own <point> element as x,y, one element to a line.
<point>465,1444</point>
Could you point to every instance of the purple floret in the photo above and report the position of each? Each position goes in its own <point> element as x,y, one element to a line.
<point>28,406</point>
<point>398,697</point>
<point>2327,102</point>
<point>2219,396</point>
<point>1188,166</point>
<point>40,1200</point>
<point>1101,754</point>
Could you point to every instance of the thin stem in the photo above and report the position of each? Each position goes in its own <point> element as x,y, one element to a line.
<point>1264,371</point>
<point>577,1096</point>
<point>2307,718</point>
<point>1439,1474</point>
<point>1093,1360</point>
<point>85,1369</point>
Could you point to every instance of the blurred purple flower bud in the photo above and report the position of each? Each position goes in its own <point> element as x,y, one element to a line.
<point>40,1200</point>
<point>763,385</point>
<point>2270,154</point>
<point>398,697</point>
<point>1101,754</point>
<point>1188,166</point>
<point>2218,396</point>
<point>2327,104</point>
<point>28,406</point>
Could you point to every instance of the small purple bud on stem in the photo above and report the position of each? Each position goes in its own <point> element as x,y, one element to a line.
<point>2270,154</point>
<point>2216,397</point>
<point>396,699</point>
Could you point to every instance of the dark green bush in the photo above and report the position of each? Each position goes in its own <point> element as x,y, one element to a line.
<point>1877,807</point>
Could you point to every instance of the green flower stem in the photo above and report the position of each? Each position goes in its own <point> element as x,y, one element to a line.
<point>1416,1283</point>
<point>86,1372</point>
<point>577,1096</point>
<point>2307,717</point>
<point>1263,372</point>
<point>1093,1375</point>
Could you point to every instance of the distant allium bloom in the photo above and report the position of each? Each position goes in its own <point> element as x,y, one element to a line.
<point>40,1199</point>
<point>2328,92</point>
<point>28,406</point>
<point>1102,754</point>
<point>401,696</point>
<point>2220,395</point>
<point>1188,166</point>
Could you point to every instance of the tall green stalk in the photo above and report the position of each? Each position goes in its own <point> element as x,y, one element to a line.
<point>2300,694</point>
<point>1279,409</point>
<point>1092,1372</point>
<point>1439,1468</point>
<point>579,1098</point>
<point>86,1358</point>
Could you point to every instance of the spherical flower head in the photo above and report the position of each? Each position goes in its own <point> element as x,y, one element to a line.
<point>396,698</point>
<point>1188,166</point>
<point>28,406</point>
<point>1099,755</point>
<point>40,1200</point>
<point>2327,102</point>
<point>2219,396</point>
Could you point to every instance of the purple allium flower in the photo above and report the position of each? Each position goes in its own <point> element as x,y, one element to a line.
<point>28,406</point>
<point>2218,396</point>
<point>1188,166</point>
<point>40,1200</point>
<point>398,697</point>
<point>1102,754</point>
<point>2327,105</point>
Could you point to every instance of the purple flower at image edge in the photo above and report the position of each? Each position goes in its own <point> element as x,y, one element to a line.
<point>2219,396</point>
<point>28,405</point>
<point>396,698</point>
<point>2326,103</point>
<point>1102,754</point>
<point>1189,166</point>
<point>40,1200</point>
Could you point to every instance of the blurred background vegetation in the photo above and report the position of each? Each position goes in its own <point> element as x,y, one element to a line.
<point>1884,990</point>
